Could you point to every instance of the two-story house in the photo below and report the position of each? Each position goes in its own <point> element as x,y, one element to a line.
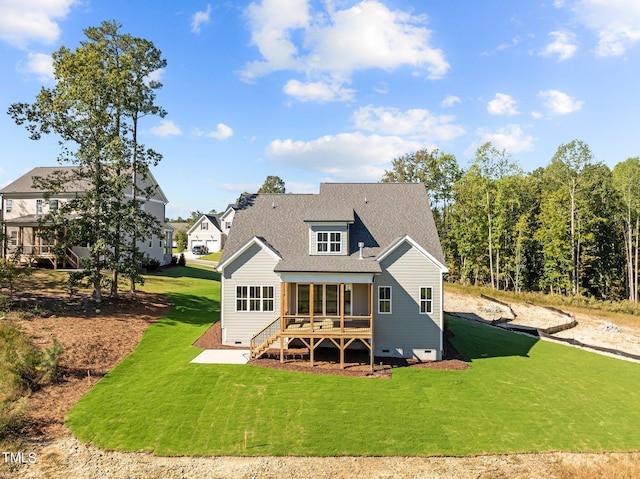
<point>23,206</point>
<point>206,231</point>
<point>356,264</point>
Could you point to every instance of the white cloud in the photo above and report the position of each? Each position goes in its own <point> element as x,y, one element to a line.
<point>42,65</point>
<point>337,43</point>
<point>200,18</point>
<point>346,156</point>
<point>450,100</point>
<point>166,128</point>
<point>317,91</point>
<point>32,20</point>
<point>502,105</point>
<point>616,22</point>
<point>222,132</point>
<point>239,187</point>
<point>414,123</point>
<point>510,138</point>
<point>155,75</point>
<point>563,44</point>
<point>560,103</point>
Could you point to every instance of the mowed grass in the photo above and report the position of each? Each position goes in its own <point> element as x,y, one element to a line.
<point>519,395</point>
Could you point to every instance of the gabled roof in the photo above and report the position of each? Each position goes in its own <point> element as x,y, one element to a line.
<point>214,219</point>
<point>24,184</point>
<point>379,213</point>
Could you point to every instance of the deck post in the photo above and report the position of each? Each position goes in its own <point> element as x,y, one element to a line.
<point>341,352</point>
<point>311,307</point>
<point>281,347</point>
<point>312,348</point>
<point>283,322</point>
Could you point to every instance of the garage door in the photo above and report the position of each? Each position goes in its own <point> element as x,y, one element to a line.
<point>212,246</point>
<point>196,243</point>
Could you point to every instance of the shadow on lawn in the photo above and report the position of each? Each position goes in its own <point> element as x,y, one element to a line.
<point>474,340</point>
<point>188,272</point>
<point>191,309</point>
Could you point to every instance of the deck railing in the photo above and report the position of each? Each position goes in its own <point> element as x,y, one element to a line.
<point>263,339</point>
<point>319,324</point>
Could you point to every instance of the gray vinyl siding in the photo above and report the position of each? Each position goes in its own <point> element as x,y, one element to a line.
<point>313,245</point>
<point>254,267</point>
<point>405,332</point>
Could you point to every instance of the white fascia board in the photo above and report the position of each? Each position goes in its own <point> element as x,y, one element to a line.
<point>302,277</point>
<point>408,239</point>
<point>253,241</point>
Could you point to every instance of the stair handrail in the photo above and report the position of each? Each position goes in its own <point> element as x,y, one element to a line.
<point>266,334</point>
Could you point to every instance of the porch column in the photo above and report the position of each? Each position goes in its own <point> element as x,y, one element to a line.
<point>311,308</point>
<point>283,293</point>
<point>371,321</point>
<point>342,307</point>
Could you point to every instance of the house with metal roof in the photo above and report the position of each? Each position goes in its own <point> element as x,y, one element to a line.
<point>23,206</point>
<point>357,264</point>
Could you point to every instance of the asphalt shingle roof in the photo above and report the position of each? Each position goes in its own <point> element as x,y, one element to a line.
<point>378,213</point>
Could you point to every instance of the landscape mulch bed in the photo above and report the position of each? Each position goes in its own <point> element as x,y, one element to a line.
<point>94,340</point>
<point>327,360</point>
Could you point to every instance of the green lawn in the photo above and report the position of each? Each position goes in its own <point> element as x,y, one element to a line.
<point>212,256</point>
<point>518,395</point>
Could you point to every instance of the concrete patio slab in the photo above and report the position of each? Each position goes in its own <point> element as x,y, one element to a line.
<point>222,356</point>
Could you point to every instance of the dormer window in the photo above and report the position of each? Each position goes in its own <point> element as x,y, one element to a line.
<point>329,241</point>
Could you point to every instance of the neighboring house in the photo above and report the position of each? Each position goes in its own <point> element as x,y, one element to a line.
<point>23,205</point>
<point>358,263</point>
<point>226,218</point>
<point>206,232</point>
<point>178,226</point>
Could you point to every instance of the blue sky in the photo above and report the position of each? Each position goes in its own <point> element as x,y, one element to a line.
<point>333,90</point>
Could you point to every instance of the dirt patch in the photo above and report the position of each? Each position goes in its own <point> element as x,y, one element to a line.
<point>94,340</point>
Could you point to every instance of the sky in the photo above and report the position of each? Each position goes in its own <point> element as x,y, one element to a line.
<point>334,90</point>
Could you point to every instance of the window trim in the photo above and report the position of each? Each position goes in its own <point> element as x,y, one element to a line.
<point>204,225</point>
<point>385,300</point>
<point>426,301</point>
<point>39,206</point>
<point>248,300</point>
<point>8,205</point>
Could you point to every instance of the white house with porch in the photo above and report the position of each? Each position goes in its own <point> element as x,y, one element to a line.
<point>357,264</point>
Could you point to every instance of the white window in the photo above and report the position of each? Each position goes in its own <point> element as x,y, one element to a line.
<point>329,241</point>
<point>38,207</point>
<point>53,204</point>
<point>254,298</point>
<point>204,225</point>
<point>384,299</point>
<point>13,238</point>
<point>227,225</point>
<point>8,206</point>
<point>426,300</point>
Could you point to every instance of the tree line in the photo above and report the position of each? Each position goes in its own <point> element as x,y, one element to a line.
<point>571,227</point>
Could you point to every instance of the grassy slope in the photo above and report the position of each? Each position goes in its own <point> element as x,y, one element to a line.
<point>518,395</point>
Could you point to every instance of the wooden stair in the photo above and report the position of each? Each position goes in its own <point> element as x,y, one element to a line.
<point>264,339</point>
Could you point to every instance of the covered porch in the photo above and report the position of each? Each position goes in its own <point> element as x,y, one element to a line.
<point>314,313</point>
<point>23,240</point>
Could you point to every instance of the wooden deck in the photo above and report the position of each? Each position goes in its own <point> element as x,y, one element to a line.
<point>312,331</point>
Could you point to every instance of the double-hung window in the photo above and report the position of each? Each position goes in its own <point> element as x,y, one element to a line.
<point>204,225</point>
<point>38,207</point>
<point>254,298</point>
<point>426,300</point>
<point>8,206</point>
<point>329,241</point>
<point>53,205</point>
<point>384,299</point>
